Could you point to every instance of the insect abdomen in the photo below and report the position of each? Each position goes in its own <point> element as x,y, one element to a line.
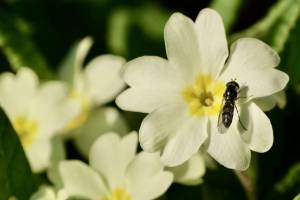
<point>227,113</point>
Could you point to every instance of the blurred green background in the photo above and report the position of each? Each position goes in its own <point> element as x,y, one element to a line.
<point>39,34</point>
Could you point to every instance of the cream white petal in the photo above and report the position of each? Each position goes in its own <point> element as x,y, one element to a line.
<point>154,83</point>
<point>251,65</point>
<point>79,180</point>
<point>38,155</point>
<point>17,91</point>
<point>161,125</point>
<point>213,49</point>
<point>110,156</point>
<point>259,134</point>
<point>185,142</point>
<point>228,148</point>
<point>152,72</point>
<point>182,46</point>
<point>44,193</point>
<point>269,102</point>
<point>103,78</point>
<point>73,62</point>
<point>146,179</point>
<point>144,100</point>
<point>101,121</point>
<point>190,172</point>
<point>51,99</point>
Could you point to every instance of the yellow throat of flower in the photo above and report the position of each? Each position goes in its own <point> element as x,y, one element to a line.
<point>84,110</point>
<point>118,194</point>
<point>204,96</point>
<point>26,128</point>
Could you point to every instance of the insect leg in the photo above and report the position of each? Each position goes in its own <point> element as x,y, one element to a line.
<point>242,125</point>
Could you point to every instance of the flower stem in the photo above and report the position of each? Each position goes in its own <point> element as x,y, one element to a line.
<point>247,184</point>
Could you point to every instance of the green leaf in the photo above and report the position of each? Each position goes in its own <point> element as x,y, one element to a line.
<point>289,185</point>
<point>18,47</point>
<point>148,18</point>
<point>16,178</point>
<point>228,10</point>
<point>290,60</point>
<point>276,26</point>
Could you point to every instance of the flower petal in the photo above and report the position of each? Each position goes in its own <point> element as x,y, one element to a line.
<point>110,155</point>
<point>152,72</point>
<point>52,99</point>
<point>251,63</point>
<point>79,180</point>
<point>154,83</point>
<point>139,99</point>
<point>44,193</point>
<point>156,128</point>
<point>181,45</point>
<point>44,152</point>
<point>17,91</point>
<point>187,141</point>
<point>213,49</point>
<point>102,120</point>
<point>259,135</point>
<point>228,148</point>
<point>146,179</point>
<point>190,172</point>
<point>73,62</point>
<point>103,78</point>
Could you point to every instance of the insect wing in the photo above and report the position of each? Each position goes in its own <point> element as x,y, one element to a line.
<point>221,127</point>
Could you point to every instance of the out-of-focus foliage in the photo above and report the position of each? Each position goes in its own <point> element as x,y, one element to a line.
<point>229,10</point>
<point>289,185</point>
<point>38,34</point>
<point>16,179</point>
<point>16,44</point>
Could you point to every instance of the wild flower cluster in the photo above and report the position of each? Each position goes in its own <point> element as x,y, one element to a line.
<point>203,103</point>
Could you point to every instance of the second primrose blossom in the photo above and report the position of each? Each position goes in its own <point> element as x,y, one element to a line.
<point>184,94</point>
<point>116,172</point>
<point>37,113</point>
<point>96,84</point>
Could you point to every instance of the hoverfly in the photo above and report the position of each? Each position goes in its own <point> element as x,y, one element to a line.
<point>226,113</point>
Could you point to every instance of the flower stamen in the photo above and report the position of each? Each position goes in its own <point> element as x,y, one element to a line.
<point>204,96</point>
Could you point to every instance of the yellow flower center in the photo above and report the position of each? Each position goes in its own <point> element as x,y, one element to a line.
<point>84,110</point>
<point>204,96</point>
<point>26,129</point>
<point>118,194</point>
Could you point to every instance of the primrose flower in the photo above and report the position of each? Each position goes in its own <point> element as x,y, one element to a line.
<point>98,83</point>
<point>47,193</point>
<point>37,112</point>
<point>115,172</point>
<point>184,94</point>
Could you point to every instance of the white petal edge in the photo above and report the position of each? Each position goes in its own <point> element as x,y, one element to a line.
<point>152,72</point>
<point>213,49</point>
<point>185,142</point>
<point>228,148</point>
<point>190,172</point>
<point>259,136</point>
<point>110,155</point>
<point>181,45</point>
<point>138,99</point>
<point>72,64</point>
<point>102,120</point>
<point>160,125</point>
<point>252,64</point>
<point>146,178</point>
<point>79,180</point>
<point>17,91</point>
<point>103,80</point>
